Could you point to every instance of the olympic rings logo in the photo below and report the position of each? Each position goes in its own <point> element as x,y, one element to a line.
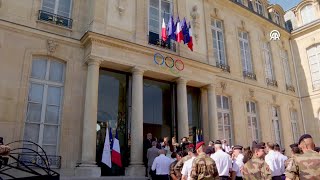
<point>168,64</point>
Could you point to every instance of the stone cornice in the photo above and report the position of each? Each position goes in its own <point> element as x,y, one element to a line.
<point>303,29</point>
<point>102,40</point>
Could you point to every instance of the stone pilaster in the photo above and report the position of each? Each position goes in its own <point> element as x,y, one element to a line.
<point>182,107</point>
<point>212,113</point>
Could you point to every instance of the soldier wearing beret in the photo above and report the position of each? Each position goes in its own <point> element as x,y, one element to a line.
<point>178,167</point>
<point>306,165</point>
<point>256,168</point>
<point>203,167</point>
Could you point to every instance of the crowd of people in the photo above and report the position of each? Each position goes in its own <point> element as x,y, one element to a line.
<point>166,159</point>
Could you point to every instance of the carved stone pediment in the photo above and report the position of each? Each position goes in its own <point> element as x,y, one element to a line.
<point>52,46</point>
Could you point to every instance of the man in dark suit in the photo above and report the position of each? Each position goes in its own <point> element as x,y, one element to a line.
<point>152,153</point>
<point>147,143</point>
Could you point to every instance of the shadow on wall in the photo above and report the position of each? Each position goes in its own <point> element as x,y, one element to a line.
<point>309,101</point>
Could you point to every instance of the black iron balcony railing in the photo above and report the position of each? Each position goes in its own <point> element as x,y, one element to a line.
<point>156,41</point>
<point>271,82</point>
<point>28,158</point>
<point>223,66</point>
<point>249,75</point>
<point>290,88</point>
<point>55,19</point>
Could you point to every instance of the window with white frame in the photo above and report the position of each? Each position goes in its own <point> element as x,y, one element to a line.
<point>286,67</point>
<point>259,7</point>
<point>158,9</point>
<point>294,125</point>
<point>224,118</point>
<point>277,17</point>
<point>276,124</point>
<point>42,124</point>
<point>314,64</point>
<point>268,61</point>
<point>253,123</point>
<point>218,41</point>
<point>245,52</point>
<point>59,7</point>
<point>307,14</point>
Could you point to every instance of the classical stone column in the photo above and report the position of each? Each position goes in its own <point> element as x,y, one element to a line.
<point>204,115</point>
<point>88,165</point>
<point>136,167</point>
<point>212,113</point>
<point>182,106</point>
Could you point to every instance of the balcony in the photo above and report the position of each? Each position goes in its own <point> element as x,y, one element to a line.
<point>249,75</point>
<point>223,66</point>
<point>271,82</point>
<point>154,40</point>
<point>55,19</point>
<point>290,88</point>
<point>32,159</point>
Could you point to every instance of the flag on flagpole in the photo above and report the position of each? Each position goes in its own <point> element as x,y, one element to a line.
<point>185,31</point>
<point>190,43</point>
<point>179,35</point>
<point>106,155</point>
<point>197,138</point>
<point>171,29</point>
<point>110,138</point>
<point>116,155</point>
<point>164,31</point>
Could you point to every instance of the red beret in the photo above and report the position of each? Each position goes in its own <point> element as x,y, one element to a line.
<point>190,146</point>
<point>199,144</point>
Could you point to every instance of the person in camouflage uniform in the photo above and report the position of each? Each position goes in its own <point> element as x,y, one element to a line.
<point>203,167</point>
<point>178,167</point>
<point>306,165</point>
<point>256,168</point>
<point>173,174</point>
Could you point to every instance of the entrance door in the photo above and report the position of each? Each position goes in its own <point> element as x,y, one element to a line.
<point>158,109</point>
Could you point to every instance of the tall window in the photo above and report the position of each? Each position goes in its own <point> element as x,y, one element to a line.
<point>239,1</point>
<point>253,124</point>
<point>268,61</point>
<point>307,14</point>
<point>42,124</point>
<point>224,118</point>
<point>286,67</point>
<point>277,17</point>
<point>60,7</point>
<point>276,124</point>
<point>259,7</point>
<point>158,9</point>
<point>245,52</point>
<point>294,125</point>
<point>218,42</point>
<point>314,63</point>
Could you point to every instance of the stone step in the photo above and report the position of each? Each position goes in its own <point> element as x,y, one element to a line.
<point>104,178</point>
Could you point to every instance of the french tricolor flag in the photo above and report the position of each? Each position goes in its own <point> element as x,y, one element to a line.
<point>190,43</point>
<point>164,31</point>
<point>179,33</point>
<point>116,155</point>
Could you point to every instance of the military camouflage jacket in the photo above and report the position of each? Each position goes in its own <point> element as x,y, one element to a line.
<point>256,169</point>
<point>203,167</point>
<point>172,165</point>
<point>179,165</point>
<point>304,166</point>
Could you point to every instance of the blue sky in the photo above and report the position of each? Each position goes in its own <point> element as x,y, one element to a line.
<point>286,4</point>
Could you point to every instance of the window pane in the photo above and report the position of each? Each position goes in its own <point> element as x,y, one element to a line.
<point>220,131</point>
<point>36,93</point>
<point>50,134</point>
<point>54,95</point>
<point>165,6</point>
<point>227,119</point>
<point>31,132</point>
<point>29,146</point>
<point>64,8</point>
<point>154,3</point>
<point>52,114</point>
<point>48,5</point>
<point>248,106</point>
<point>34,112</point>
<point>50,150</point>
<point>39,69</point>
<point>56,71</point>
<point>220,120</point>
<point>225,102</point>
<point>253,107</point>
<point>219,101</point>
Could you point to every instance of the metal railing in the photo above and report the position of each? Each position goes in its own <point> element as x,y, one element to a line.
<point>223,66</point>
<point>271,82</point>
<point>55,19</point>
<point>290,88</point>
<point>249,75</point>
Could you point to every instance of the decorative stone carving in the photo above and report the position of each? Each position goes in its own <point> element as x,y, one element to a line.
<point>51,46</point>
<point>195,22</point>
<point>292,103</point>
<point>215,12</point>
<point>251,93</point>
<point>121,6</point>
<point>223,86</point>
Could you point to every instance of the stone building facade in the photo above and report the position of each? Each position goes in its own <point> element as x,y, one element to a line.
<point>72,68</point>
